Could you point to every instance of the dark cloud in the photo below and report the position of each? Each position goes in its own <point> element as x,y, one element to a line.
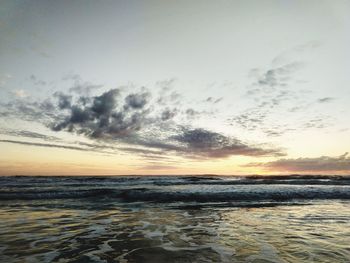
<point>137,101</point>
<point>215,145</point>
<point>320,164</point>
<point>168,114</point>
<point>47,106</point>
<point>106,103</point>
<point>196,143</point>
<point>105,116</point>
<point>64,101</point>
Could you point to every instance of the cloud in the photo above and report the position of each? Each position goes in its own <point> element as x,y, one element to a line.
<point>320,164</point>
<point>103,116</point>
<point>168,114</point>
<point>26,109</point>
<point>214,100</point>
<point>326,99</point>
<point>72,77</point>
<point>206,143</point>
<point>37,81</point>
<point>307,46</point>
<point>137,101</point>
<point>318,123</point>
<point>193,143</point>
<point>106,103</point>
<point>191,113</point>
<point>155,166</point>
<point>49,145</point>
<point>278,76</point>
<point>80,87</point>
<point>270,95</point>
<point>132,123</point>
<point>20,93</point>
<point>100,117</point>
<point>167,96</point>
<point>109,116</point>
<point>64,101</point>
<point>29,134</point>
<point>140,151</point>
<point>77,145</point>
<point>83,88</point>
<point>296,51</point>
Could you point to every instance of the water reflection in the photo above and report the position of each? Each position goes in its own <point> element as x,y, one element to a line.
<point>68,230</point>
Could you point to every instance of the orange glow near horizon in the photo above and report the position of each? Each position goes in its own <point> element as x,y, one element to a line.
<point>31,160</point>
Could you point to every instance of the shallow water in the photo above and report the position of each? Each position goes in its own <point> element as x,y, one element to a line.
<point>104,228</point>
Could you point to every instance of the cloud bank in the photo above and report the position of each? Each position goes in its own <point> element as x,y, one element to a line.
<point>134,122</point>
<point>320,164</point>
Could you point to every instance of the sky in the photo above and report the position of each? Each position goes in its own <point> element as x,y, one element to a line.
<point>174,87</point>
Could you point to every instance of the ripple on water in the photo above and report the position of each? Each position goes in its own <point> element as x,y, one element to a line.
<point>318,232</point>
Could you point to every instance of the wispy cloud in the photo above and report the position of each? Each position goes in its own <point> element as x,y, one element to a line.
<point>156,166</point>
<point>25,109</point>
<point>269,92</point>
<point>36,81</point>
<point>277,76</point>
<point>275,91</point>
<point>29,134</point>
<point>326,99</point>
<point>49,145</point>
<point>213,100</point>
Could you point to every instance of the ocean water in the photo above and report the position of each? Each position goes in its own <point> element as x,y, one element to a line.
<point>175,219</point>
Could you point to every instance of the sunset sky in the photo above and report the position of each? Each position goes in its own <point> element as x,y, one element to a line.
<point>174,87</point>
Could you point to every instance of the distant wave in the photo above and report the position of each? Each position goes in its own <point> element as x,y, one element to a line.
<point>33,195</point>
<point>177,188</point>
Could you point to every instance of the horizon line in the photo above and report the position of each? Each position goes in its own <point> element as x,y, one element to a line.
<point>218,175</point>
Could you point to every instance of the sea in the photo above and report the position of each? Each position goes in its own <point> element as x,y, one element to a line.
<point>207,218</point>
